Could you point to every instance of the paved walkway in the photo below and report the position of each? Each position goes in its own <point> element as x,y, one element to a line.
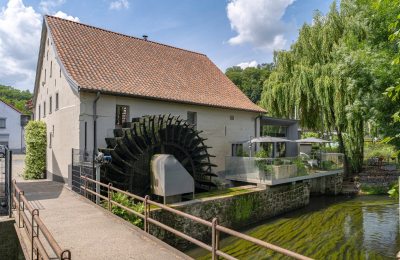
<point>89,231</point>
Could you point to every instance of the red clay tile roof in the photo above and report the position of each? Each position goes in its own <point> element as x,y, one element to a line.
<point>101,60</point>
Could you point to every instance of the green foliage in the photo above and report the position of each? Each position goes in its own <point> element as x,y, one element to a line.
<point>380,150</point>
<point>35,140</point>
<point>301,168</point>
<point>394,191</point>
<point>327,165</point>
<point>15,97</point>
<point>309,134</point>
<point>374,190</point>
<point>262,154</point>
<point>129,203</point>
<point>333,76</point>
<point>250,80</point>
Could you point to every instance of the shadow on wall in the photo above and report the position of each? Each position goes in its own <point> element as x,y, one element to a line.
<point>56,174</point>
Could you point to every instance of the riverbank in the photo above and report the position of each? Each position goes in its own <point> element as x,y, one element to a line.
<point>339,227</point>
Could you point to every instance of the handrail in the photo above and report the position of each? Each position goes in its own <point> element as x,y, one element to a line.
<point>21,205</point>
<point>216,228</point>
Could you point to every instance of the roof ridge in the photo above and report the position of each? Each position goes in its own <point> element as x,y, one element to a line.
<point>11,106</point>
<point>124,35</point>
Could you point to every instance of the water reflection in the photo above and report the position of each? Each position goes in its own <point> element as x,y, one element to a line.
<point>364,227</point>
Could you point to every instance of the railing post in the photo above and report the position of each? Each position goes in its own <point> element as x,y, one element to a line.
<point>20,207</point>
<point>109,196</point>
<point>66,255</point>
<point>35,212</point>
<point>85,192</point>
<point>215,239</point>
<point>146,228</point>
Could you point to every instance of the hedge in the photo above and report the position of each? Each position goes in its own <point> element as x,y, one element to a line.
<point>35,140</point>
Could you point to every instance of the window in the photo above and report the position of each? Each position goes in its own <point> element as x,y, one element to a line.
<point>50,104</point>
<point>44,109</point>
<point>39,112</point>
<point>231,117</point>
<point>237,150</point>
<point>121,115</point>
<point>51,69</point>
<point>56,101</point>
<point>2,123</point>
<point>47,55</point>
<point>60,72</point>
<point>192,118</point>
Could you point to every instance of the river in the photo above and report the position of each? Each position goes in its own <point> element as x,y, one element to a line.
<point>362,227</point>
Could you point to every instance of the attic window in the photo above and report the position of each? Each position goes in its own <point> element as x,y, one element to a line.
<point>60,72</point>
<point>232,117</point>
<point>51,68</point>
<point>121,115</point>
<point>47,55</point>
<point>56,101</point>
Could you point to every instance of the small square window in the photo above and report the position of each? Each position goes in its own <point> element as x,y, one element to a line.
<point>50,104</point>
<point>56,101</point>
<point>192,118</point>
<point>2,123</point>
<point>232,117</point>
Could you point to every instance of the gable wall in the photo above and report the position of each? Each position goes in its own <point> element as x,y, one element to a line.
<point>62,124</point>
<point>13,133</point>
<point>212,121</point>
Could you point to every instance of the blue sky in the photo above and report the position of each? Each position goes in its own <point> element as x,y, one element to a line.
<point>229,32</point>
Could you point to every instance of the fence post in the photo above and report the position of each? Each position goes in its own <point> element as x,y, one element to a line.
<point>9,185</point>
<point>146,229</point>
<point>215,239</point>
<point>109,196</point>
<point>35,212</point>
<point>21,193</point>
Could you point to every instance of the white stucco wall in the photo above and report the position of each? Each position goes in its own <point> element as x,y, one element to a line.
<point>13,133</point>
<point>62,124</point>
<point>212,121</point>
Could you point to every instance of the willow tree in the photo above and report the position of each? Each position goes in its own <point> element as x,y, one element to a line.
<point>327,78</point>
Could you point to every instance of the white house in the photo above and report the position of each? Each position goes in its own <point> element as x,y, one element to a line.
<point>90,80</point>
<point>11,127</point>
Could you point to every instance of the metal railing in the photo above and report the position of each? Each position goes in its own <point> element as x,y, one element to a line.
<point>28,218</point>
<point>215,227</point>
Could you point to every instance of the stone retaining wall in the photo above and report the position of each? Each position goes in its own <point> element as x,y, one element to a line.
<point>330,185</point>
<point>234,211</point>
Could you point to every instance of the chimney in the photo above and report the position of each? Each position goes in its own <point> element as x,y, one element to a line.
<point>145,37</point>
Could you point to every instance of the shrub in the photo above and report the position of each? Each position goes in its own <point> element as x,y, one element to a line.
<point>35,140</point>
<point>394,191</point>
<point>129,203</point>
<point>373,189</point>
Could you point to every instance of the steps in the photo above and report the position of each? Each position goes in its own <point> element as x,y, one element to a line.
<point>350,188</point>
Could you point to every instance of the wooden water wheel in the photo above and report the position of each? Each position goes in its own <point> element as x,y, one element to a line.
<point>133,146</point>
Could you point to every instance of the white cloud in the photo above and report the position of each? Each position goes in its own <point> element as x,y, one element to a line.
<point>63,15</point>
<point>119,4</point>
<point>20,28</point>
<point>20,31</point>
<point>258,22</point>
<point>248,64</point>
<point>47,6</point>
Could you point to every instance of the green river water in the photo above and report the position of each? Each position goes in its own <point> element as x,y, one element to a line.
<point>363,227</point>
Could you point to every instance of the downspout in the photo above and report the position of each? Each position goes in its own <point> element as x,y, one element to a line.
<point>255,131</point>
<point>95,124</point>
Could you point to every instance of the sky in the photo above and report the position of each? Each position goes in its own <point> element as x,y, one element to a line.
<point>230,32</point>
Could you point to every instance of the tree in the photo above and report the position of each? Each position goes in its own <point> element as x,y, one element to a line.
<point>250,80</point>
<point>333,75</point>
<point>15,97</point>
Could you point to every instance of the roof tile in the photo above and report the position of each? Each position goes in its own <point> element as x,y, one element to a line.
<point>101,60</point>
